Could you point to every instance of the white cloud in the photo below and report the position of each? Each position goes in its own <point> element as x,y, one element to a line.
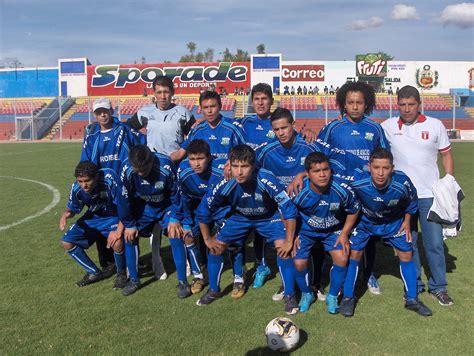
<point>461,15</point>
<point>404,12</point>
<point>369,23</point>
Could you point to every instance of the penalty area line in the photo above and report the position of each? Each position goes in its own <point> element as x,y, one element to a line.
<point>46,209</point>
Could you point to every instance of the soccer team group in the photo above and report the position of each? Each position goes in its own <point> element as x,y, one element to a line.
<point>211,185</point>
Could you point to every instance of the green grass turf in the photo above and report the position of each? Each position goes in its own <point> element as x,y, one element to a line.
<point>41,311</point>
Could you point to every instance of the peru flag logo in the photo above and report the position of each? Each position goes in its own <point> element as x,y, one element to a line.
<point>425,135</point>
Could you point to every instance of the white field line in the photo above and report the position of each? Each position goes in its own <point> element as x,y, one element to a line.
<point>54,202</point>
<point>33,151</point>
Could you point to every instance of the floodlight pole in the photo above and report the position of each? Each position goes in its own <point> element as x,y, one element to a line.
<point>454,111</point>
<point>326,111</point>
<point>89,108</point>
<point>422,102</point>
<point>294,106</point>
<point>390,102</point>
<point>60,121</point>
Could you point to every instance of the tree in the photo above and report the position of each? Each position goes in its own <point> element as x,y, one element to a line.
<point>191,46</point>
<point>261,49</point>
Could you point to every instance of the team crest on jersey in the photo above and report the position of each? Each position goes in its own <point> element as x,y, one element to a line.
<point>302,160</point>
<point>369,136</point>
<point>270,134</point>
<point>425,135</point>
<point>159,185</point>
<point>258,197</point>
<point>225,141</point>
<point>334,206</point>
<point>393,202</point>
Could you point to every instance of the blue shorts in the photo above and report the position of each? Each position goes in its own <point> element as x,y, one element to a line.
<point>88,229</point>
<point>236,228</point>
<point>361,234</point>
<point>307,242</point>
<point>147,219</point>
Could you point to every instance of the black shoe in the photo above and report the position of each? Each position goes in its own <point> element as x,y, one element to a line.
<point>130,288</point>
<point>183,290</point>
<point>90,278</point>
<point>347,307</point>
<point>209,297</point>
<point>109,270</point>
<point>443,298</point>
<point>291,305</point>
<point>120,280</point>
<point>419,307</point>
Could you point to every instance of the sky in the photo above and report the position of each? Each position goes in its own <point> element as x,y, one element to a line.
<point>38,32</point>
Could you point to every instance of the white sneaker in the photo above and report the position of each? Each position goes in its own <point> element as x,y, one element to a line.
<point>164,276</point>
<point>374,286</point>
<point>279,294</point>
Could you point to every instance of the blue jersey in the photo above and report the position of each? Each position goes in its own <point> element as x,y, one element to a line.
<point>258,199</point>
<point>154,193</point>
<point>192,187</point>
<point>325,213</point>
<point>383,210</point>
<point>256,131</point>
<point>286,163</point>
<point>358,140</point>
<point>104,201</point>
<point>221,138</point>
<point>108,149</point>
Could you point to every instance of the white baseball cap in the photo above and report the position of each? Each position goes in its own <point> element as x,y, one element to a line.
<point>102,103</point>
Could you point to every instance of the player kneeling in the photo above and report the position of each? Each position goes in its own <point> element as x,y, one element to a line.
<point>100,191</point>
<point>256,199</point>
<point>388,200</point>
<point>328,210</point>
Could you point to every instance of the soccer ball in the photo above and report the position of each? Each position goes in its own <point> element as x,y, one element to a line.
<point>282,334</point>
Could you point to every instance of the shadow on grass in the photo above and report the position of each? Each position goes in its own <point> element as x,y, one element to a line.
<point>262,351</point>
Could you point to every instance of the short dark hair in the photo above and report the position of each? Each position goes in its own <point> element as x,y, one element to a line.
<point>210,94</point>
<point>163,81</point>
<point>86,169</point>
<point>262,88</point>
<point>409,92</point>
<point>242,153</point>
<point>366,89</point>
<point>198,146</point>
<point>140,156</point>
<point>282,113</point>
<point>315,158</point>
<point>381,153</point>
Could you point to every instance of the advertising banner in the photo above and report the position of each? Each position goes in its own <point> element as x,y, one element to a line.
<point>188,78</point>
<point>302,73</point>
<point>371,65</point>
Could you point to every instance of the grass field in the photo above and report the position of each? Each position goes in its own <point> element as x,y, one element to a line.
<point>41,311</point>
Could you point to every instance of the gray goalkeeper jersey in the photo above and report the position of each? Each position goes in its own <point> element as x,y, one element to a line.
<point>166,129</point>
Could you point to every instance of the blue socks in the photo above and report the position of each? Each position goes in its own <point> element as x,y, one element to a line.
<point>337,276</point>
<point>80,256</point>
<point>351,276</point>
<point>179,257</point>
<point>120,263</point>
<point>302,279</point>
<point>408,273</point>
<point>238,262</point>
<point>131,256</point>
<point>215,264</point>
<point>194,257</point>
<point>287,273</point>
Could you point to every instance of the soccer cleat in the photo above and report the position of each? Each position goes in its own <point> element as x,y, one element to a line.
<point>208,298</point>
<point>109,270</point>
<point>279,294</point>
<point>163,277</point>
<point>347,307</point>
<point>319,291</point>
<point>183,290</point>
<point>418,307</point>
<point>306,300</point>
<point>291,305</point>
<point>373,285</point>
<point>331,303</point>
<point>90,278</point>
<point>120,280</point>
<point>238,290</point>
<point>130,288</point>
<point>443,298</point>
<point>197,285</point>
<point>260,277</point>
<point>188,269</point>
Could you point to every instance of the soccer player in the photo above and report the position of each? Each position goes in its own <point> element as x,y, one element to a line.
<point>150,187</point>
<point>166,123</point>
<point>196,175</point>
<point>358,136</point>
<point>285,158</point>
<point>218,131</point>
<point>258,202</point>
<point>388,201</point>
<point>416,140</point>
<point>100,191</point>
<point>329,210</point>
